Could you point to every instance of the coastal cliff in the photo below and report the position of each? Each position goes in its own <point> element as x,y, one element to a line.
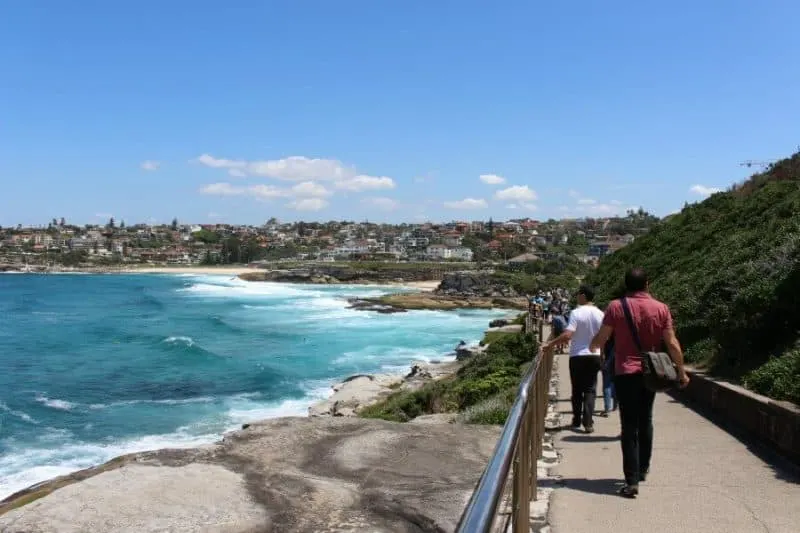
<point>323,274</point>
<point>286,474</point>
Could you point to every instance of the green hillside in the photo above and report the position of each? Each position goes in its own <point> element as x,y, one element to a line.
<point>729,268</point>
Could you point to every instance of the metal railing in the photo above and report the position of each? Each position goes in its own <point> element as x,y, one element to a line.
<point>516,453</point>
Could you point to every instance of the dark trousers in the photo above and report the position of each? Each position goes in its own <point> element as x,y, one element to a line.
<point>636,414</point>
<point>583,371</point>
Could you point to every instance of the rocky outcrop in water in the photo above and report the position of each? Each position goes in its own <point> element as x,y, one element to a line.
<point>396,303</point>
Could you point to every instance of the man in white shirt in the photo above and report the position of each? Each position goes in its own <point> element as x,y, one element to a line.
<point>584,364</point>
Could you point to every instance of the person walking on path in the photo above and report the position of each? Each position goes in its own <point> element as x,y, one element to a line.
<point>653,322</point>
<point>609,395</point>
<point>557,327</point>
<point>584,363</point>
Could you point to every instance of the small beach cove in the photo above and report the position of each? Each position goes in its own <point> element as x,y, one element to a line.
<point>108,365</point>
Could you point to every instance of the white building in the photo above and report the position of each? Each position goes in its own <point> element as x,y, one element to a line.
<point>441,252</point>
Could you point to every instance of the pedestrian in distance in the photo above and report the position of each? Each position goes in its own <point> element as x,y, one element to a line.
<point>584,362</point>
<point>653,322</point>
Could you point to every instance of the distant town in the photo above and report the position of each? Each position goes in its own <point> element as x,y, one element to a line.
<point>60,244</point>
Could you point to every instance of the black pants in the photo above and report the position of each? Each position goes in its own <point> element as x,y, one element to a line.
<point>583,371</point>
<point>636,414</point>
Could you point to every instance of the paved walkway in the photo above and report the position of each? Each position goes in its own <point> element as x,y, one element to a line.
<point>701,479</point>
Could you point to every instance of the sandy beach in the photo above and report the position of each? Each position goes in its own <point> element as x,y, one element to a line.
<point>226,270</point>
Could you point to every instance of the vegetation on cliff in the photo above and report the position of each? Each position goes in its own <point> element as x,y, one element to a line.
<point>563,271</point>
<point>483,388</point>
<point>729,267</point>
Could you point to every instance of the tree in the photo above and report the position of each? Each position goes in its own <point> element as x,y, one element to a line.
<point>490,228</point>
<point>111,223</point>
<point>174,224</point>
<point>54,223</point>
<point>62,222</point>
<point>122,225</point>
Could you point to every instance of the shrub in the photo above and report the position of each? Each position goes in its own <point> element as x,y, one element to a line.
<point>493,410</point>
<point>496,371</point>
<point>778,378</point>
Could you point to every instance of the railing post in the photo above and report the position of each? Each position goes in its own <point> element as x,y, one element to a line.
<point>534,421</point>
<point>522,497</point>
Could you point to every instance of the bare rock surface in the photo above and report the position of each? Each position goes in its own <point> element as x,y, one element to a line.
<point>289,474</point>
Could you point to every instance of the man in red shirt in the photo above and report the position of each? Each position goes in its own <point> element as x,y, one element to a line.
<point>653,321</point>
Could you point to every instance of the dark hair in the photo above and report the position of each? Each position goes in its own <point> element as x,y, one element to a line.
<point>587,291</point>
<point>635,280</point>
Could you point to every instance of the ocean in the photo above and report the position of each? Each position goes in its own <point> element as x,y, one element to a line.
<point>96,366</point>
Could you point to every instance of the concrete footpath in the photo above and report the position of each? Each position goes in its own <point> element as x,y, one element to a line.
<point>701,478</point>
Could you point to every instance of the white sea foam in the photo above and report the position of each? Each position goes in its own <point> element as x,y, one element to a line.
<point>179,339</point>
<point>55,403</point>
<point>19,414</point>
<point>26,465</point>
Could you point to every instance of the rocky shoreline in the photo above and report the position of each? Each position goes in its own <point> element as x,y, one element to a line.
<point>361,390</point>
<point>400,303</point>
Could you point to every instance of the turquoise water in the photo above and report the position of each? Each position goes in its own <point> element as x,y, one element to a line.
<point>94,366</point>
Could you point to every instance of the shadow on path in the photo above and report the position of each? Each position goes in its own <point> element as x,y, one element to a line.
<point>782,467</point>
<point>590,438</point>
<point>591,486</point>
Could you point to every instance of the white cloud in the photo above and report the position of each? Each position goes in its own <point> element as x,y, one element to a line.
<point>365,183</point>
<point>266,192</point>
<point>529,206</point>
<point>380,202</point>
<point>586,201</point>
<point>237,173</point>
<point>573,193</point>
<point>293,168</point>
<point>214,215</point>
<point>702,190</point>
<point>492,179</point>
<point>563,208</point>
<point>213,162</point>
<point>104,215</point>
<point>467,203</point>
<point>310,188</point>
<point>308,204</point>
<point>150,165</point>
<point>517,193</point>
<point>615,202</point>
<point>222,189</point>
<point>512,206</point>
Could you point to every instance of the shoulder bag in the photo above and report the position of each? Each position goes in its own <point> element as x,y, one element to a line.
<point>660,373</point>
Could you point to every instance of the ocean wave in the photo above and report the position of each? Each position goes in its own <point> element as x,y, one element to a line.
<point>55,403</point>
<point>168,401</point>
<point>180,339</point>
<point>19,414</point>
<point>396,357</point>
<point>27,464</point>
<point>252,290</point>
<point>24,466</point>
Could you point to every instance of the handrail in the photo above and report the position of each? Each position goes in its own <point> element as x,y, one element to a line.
<point>520,446</point>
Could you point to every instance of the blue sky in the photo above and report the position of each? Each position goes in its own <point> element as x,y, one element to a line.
<point>386,110</point>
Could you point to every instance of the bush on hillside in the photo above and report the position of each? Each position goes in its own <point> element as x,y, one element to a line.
<point>493,410</point>
<point>777,378</point>
<point>729,268</point>
<point>498,370</point>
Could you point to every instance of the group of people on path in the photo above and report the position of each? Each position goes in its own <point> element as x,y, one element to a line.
<point>602,342</point>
